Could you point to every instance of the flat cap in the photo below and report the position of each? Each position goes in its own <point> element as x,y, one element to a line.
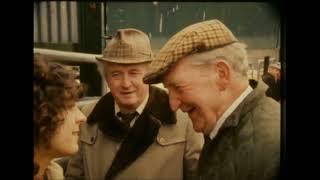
<point>199,37</point>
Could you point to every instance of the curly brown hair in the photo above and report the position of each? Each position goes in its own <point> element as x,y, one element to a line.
<point>55,90</point>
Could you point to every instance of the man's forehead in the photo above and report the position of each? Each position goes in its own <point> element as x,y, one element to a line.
<point>177,71</point>
<point>137,65</point>
<point>173,77</point>
<point>169,79</point>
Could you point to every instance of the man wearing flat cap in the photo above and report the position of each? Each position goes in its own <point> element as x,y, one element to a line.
<point>131,132</point>
<point>204,67</point>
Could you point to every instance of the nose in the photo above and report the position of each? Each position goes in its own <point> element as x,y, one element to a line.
<point>125,81</point>
<point>174,100</point>
<point>80,118</point>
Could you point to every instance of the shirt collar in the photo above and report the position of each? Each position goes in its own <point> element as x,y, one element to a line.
<point>228,112</point>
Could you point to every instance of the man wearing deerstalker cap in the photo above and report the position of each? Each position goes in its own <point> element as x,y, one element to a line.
<point>131,132</point>
<point>204,67</point>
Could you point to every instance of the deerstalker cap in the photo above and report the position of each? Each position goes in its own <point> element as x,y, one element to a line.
<point>199,37</point>
<point>128,46</point>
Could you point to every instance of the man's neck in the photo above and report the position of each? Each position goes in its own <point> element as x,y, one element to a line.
<point>229,107</point>
<point>232,93</point>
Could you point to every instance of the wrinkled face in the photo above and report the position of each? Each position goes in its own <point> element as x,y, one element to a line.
<point>65,140</point>
<point>126,85</point>
<point>195,91</point>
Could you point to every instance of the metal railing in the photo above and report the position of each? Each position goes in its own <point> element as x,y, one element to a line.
<point>74,57</point>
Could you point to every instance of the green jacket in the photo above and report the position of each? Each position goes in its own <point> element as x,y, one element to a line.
<point>247,147</point>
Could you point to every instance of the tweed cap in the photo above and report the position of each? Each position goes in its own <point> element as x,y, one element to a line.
<point>128,46</point>
<point>199,37</point>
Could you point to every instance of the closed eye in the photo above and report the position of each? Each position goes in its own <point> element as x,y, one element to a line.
<point>135,72</point>
<point>115,74</point>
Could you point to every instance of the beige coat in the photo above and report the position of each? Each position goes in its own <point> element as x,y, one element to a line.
<point>172,153</point>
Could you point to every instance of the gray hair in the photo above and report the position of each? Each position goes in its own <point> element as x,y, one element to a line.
<point>235,54</point>
<point>101,68</point>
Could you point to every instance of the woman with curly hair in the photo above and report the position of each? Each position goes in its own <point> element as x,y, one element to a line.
<point>56,117</point>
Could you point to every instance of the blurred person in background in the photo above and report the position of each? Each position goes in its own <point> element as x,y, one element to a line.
<point>273,79</point>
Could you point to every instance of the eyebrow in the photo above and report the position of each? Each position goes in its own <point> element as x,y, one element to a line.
<point>135,69</point>
<point>115,71</point>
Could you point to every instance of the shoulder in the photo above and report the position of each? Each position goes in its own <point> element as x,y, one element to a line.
<point>87,109</point>
<point>182,122</point>
<point>265,126</point>
<point>178,132</point>
<point>54,171</point>
<point>260,117</point>
<point>266,133</point>
<point>101,101</point>
<point>158,92</point>
<point>267,108</point>
<point>88,133</point>
<point>263,115</point>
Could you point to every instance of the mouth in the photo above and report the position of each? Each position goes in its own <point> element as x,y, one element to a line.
<point>127,93</point>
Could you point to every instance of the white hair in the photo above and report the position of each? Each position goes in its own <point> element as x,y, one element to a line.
<point>101,68</point>
<point>235,54</point>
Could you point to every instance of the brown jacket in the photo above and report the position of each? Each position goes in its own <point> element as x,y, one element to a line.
<point>160,145</point>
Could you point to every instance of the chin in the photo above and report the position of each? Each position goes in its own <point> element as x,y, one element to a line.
<point>72,150</point>
<point>129,101</point>
<point>197,128</point>
<point>130,104</point>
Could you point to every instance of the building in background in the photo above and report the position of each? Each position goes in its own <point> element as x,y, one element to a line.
<point>80,27</point>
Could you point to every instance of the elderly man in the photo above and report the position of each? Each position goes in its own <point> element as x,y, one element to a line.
<point>204,68</point>
<point>132,133</point>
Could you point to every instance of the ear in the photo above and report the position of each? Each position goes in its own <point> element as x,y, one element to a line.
<point>223,70</point>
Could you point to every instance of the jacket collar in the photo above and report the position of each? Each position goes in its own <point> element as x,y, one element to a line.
<point>157,108</point>
<point>247,104</point>
<point>136,140</point>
